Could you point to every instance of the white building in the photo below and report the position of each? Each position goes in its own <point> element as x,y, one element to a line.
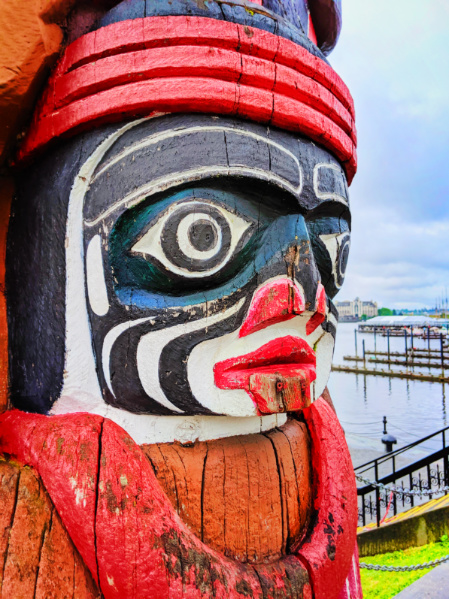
<point>356,309</point>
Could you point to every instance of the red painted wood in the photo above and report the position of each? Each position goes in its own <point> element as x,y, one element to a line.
<point>227,69</point>
<point>275,302</point>
<point>320,310</point>
<point>142,546</point>
<point>276,376</point>
<point>193,95</point>
<point>328,550</point>
<point>188,61</point>
<point>138,34</point>
<point>178,61</point>
<point>293,56</point>
<point>294,116</point>
<point>282,579</point>
<point>282,354</point>
<point>152,32</point>
<point>196,61</point>
<point>300,87</point>
<point>311,32</point>
<point>66,457</point>
<point>276,392</point>
<point>353,587</point>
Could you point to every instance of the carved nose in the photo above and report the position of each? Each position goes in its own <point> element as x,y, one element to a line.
<point>274,302</point>
<point>320,310</point>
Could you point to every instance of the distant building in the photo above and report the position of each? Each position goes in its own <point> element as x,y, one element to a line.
<point>356,309</point>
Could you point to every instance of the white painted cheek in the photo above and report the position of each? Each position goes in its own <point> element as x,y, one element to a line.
<point>96,284</point>
<point>151,345</point>
<point>148,354</point>
<point>200,374</point>
<point>109,341</point>
<point>324,351</point>
<point>236,402</point>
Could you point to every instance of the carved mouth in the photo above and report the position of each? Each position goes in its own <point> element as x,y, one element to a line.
<point>276,376</point>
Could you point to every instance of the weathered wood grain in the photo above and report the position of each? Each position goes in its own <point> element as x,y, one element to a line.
<point>62,573</point>
<point>6,194</point>
<point>32,516</point>
<point>247,496</point>
<point>37,558</point>
<point>9,481</point>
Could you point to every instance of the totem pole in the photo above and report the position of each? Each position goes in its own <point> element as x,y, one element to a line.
<point>180,226</point>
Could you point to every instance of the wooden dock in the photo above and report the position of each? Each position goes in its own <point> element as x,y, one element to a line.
<point>392,373</point>
<point>405,363</point>
<point>417,353</point>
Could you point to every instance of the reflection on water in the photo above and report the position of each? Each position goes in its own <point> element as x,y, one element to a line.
<point>414,409</point>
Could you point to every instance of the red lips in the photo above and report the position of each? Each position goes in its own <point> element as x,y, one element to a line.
<point>277,376</point>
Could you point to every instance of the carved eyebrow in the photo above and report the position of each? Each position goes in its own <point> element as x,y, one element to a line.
<point>143,171</point>
<point>176,179</point>
<point>173,133</point>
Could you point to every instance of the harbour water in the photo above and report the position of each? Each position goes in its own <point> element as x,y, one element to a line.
<point>414,409</point>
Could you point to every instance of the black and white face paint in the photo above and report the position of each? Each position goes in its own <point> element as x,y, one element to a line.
<point>174,225</point>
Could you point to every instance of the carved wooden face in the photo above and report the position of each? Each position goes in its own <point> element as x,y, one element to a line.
<point>186,230</point>
<point>203,253</point>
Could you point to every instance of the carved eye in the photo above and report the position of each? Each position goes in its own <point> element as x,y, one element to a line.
<point>337,245</point>
<point>194,238</point>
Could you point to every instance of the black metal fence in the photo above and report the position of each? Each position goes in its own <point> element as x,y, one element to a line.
<point>407,485</point>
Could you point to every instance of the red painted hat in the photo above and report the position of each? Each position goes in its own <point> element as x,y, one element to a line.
<point>148,58</point>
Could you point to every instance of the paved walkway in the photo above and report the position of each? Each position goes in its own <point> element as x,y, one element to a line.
<point>433,585</point>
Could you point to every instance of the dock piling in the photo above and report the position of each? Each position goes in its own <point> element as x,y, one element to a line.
<point>406,349</point>
<point>388,342</point>
<point>442,353</point>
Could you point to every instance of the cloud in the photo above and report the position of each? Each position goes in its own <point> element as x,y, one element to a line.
<point>393,57</point>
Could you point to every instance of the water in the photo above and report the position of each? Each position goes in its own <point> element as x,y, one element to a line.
<point>414,409</point>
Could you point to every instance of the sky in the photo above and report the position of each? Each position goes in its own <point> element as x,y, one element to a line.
<point>394,57</point>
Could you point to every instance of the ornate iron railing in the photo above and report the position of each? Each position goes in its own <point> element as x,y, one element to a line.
<point>386,487</point>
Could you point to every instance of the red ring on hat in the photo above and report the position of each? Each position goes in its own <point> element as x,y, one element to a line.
<point>174,64</point>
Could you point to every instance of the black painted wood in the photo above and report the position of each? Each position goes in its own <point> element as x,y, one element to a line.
<point>284,238</point>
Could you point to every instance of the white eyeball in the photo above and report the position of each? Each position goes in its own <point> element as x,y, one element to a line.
<point>194,238</point>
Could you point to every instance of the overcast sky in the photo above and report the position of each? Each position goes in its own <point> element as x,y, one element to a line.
<point>394,57</point>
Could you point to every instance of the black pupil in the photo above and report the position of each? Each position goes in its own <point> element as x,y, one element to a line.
<point>203,235</point>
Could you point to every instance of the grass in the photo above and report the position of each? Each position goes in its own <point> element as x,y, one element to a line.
<point>385,585</point>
